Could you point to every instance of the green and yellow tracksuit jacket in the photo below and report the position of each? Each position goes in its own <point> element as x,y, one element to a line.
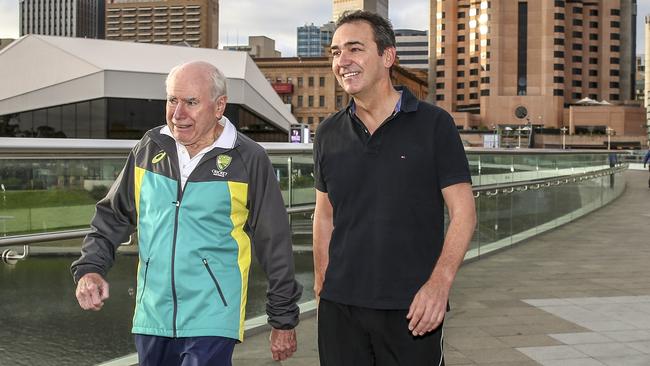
<point>195,243</point>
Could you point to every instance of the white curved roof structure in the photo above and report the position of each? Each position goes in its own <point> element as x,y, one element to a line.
<point>42,71</point>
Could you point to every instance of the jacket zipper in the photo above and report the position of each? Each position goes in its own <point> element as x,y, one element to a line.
<point>178,205</point>
<point>144,286</point>
<point>216,283</point>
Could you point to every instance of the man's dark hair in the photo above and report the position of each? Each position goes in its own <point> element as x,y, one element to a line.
<point>382,28</point>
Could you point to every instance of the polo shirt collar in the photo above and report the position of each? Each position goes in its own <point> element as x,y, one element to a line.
<point>407,102</point>
<point>226,140</point>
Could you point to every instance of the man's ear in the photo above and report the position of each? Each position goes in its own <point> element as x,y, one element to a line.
<point>221,105</point>
<point>389,56</point>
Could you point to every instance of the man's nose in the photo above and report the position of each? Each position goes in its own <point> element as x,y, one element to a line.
<point>179,111</point>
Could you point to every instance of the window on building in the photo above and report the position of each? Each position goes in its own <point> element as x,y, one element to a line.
<point>485,92</point>
<point>300,101</point>
<point>593,36</point>
<point>559,16</point>
<point>558,54</point>
<point>559,3</point>
<point>576,83</point>
<point>460,85</point>
<point>460,73</point>
<point>593,96</point>
<point>474,60</point>
<point>614,84</point>
<point>310,101</point>
<point>320,119</point>
<point>593,61</point>
<point>613,97</point>
<point>440,74</point>
<point>558,67</point>
<point>577,47</point>
<point>460,97</point>
<point>299,81</point>
<point>440,61</point>
<point>615,24</point>
<point>310,120</point>
<point>576,58</point>
<point>593,25</point>
<point>485,80</point>
<point>576,96</point>
<point>558,29</point>
<point>310,81</point>
<point>615,48</point>
<point>593,72</point>
<point>558,79</point>
<point>614,36</point>
<point>460,50</point>
<point>593,85</point>
<point>339,101</point>
<point>473,95</point>
<point>321,81</point>
<point>593,48</point>
<point>615,12</point>
<point>614,72</point>
<point>593,12</point>
<point>461,26</point>
<point>460,61</point>
<point>321,101</point>
<point>558,92</point>
<point>577,22</point>
<point>576,71</point>
<point>461,14</point>
<point>614,60</point>
<point>473,72</point>
<point>558,41</point>
<point>440,97</point>
<point>473,84</point>
<point>460,38</point>
<point>577,10</point>
<point>577,34</point>
<point>440,85</point>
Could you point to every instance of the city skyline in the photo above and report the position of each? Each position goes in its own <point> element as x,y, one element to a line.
<point>276,22</point>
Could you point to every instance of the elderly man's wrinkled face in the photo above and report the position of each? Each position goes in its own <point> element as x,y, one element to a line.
<point>192,111</point>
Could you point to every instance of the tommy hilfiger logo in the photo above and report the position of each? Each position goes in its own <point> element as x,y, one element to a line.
<point>223,161</point>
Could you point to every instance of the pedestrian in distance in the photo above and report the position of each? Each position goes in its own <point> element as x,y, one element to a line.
<point>385,166</point>
<point>646,158</point>
<point>203,198</point>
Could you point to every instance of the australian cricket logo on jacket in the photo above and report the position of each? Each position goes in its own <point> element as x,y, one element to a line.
<point>223,161</point>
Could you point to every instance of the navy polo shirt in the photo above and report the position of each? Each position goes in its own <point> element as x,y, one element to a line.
<point>388,208</point>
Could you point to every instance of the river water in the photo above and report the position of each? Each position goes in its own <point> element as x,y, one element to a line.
<point>42,324</point>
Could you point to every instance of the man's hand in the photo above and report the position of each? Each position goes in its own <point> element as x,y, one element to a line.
<point>428,308</point>
<point>91,292</point>
<point>283,343</point>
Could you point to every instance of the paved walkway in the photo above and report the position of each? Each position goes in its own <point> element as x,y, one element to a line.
<point>578,295</point>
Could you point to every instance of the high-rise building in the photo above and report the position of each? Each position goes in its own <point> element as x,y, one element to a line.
<point>258,46</point>
<point>314,40</point>
<point>70,18</point>
<point>191,22</point>
<point>520,62</point>
<point>640,78</point>
<point>376,6</point>
<point>412,48</point>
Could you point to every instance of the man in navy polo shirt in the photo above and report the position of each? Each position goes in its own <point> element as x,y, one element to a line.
<point>385,167</point>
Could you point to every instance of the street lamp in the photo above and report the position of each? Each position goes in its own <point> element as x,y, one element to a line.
<point>564,130</point>
<point>609,132</point>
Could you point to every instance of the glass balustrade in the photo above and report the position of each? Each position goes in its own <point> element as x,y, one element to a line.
<point>519,194</point>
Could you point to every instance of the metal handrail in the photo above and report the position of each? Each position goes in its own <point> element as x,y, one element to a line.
<point>26,239</point>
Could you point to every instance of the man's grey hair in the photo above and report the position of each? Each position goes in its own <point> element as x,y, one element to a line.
<point>216,76</point>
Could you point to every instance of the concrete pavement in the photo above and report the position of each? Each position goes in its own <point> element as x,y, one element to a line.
<point>577,295</point>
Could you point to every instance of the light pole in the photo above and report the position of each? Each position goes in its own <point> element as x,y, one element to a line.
<point>564,130</point>
<point>609,132</point>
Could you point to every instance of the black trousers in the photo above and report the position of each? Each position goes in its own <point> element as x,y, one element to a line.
<point>190,351</point>
<point>355,336</point>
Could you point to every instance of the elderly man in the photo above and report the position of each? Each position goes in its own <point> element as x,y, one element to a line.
<point>202,196</point>
<point>385,166</point>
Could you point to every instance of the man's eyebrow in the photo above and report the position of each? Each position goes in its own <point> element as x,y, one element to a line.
<point>347,44</point>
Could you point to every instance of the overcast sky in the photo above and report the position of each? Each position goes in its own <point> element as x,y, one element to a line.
<point>278,19</point>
